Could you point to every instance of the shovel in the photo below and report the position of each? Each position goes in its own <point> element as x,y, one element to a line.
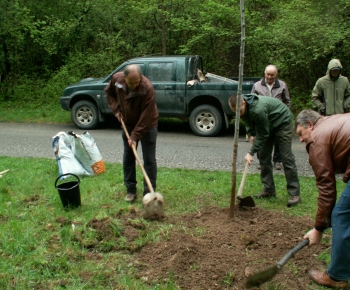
<point>248,200</point>
<point>3,172</point>
<point>149,184</point>
<point>152,201</point>
<point>268,273</point>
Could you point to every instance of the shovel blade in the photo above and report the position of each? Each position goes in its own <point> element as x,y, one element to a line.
<point>246,201</point>
<point>269,272</point>
<point>262,276</point>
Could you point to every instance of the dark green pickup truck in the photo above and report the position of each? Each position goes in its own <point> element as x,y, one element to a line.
<point>182,91</point>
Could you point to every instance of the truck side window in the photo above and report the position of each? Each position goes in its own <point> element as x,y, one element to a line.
<point>160,71</point>
<point>121,69</point>
<point>139,64</point>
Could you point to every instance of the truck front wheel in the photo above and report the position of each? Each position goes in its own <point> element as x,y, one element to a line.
<point>85,115</point>
<point>206,121</point>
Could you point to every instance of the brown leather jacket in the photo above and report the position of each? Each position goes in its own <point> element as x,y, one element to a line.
<point>138,107</point>
<point>329,154</point>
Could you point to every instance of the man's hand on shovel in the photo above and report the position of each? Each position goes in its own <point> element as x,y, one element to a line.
<point>248,200</point>
<point>314,237</point>
<point>131,143</point>
<point>249,158</point>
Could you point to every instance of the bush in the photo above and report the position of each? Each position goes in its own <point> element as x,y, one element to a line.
<point>31,92</point>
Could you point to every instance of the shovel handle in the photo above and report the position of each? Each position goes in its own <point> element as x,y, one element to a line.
<point>240,190</point>
<point>3,172</point>
<point>149,184</point>
<point>290,254</point>
<point>268,273</point>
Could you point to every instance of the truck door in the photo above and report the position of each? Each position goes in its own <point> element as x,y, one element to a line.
<point>169,92</point>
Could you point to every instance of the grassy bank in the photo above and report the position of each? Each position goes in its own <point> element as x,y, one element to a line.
<point>34,114</point>
<point>45,247</point>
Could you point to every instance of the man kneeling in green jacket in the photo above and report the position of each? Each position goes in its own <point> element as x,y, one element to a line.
<point>268,120</point>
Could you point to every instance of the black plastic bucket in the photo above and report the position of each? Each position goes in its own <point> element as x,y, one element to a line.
<point>69,192</point>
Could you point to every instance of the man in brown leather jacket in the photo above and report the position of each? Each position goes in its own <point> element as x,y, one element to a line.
<point>131,97</point>
<point>328,144</point>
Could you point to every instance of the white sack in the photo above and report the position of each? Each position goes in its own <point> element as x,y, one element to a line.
<point>86,151</point>
<point>63,146</point>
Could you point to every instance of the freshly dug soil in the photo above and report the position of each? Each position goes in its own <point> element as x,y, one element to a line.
<point>213,251</point>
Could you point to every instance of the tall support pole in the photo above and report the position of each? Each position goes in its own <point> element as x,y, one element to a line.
<point>239,101</point>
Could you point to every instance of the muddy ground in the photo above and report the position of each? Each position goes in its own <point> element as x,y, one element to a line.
<point>227,251</point>
<point>208,250</point>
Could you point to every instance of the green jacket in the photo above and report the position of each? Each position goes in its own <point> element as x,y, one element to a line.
<point>264,116</point>
<point>331,95</point>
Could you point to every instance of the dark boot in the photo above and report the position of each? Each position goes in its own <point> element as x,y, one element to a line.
<point>265,194</point>
<point>293,200</point>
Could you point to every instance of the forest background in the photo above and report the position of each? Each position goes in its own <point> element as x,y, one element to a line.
<point>46,45</point>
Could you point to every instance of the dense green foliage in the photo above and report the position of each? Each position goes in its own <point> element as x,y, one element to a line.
<point>44,46</point>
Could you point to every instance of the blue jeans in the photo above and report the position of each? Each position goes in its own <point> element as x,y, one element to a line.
<point>148,144</point>
<point>339,268</point>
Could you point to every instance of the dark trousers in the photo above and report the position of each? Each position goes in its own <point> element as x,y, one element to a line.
<point>148,144</point>
<point>276,154</point>
<point>284,140</point>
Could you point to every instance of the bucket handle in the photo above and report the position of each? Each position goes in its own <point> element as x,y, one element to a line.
<point>58,178</point>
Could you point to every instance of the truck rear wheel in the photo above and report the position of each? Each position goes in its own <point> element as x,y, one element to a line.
<point>206,121</point>
<point>85,115</point>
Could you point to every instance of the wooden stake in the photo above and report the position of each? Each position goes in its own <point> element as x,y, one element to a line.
<point>238,106</point>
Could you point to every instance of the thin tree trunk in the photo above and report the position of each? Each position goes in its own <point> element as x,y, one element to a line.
<point>239,100</point>
<point>164,29</point>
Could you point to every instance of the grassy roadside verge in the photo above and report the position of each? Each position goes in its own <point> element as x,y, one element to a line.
<point>34,114</point>
<point>45,247</point>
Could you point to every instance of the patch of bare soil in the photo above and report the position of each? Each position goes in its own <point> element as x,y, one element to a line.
<point>207,249</point>
<point>217,252</point>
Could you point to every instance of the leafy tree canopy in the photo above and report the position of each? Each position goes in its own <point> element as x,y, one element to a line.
<point>57,42</point>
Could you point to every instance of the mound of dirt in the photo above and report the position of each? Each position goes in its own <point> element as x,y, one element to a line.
<point>213,251</point>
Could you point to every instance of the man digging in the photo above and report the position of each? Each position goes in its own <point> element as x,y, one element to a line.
<point>328,144</point>
<point>269,120</point>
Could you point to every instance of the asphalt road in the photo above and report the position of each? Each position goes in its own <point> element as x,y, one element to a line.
<point>177,147</point>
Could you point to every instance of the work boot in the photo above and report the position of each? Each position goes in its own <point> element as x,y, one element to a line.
<point>278,166</point>
<point>130,197</point>
<point>265,194</point>
<point>322,278</point>
<point>293,200</point>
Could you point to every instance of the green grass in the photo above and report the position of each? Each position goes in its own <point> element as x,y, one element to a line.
<point>38,252</point>
<point>34,113</point>
<point>54,114</point>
